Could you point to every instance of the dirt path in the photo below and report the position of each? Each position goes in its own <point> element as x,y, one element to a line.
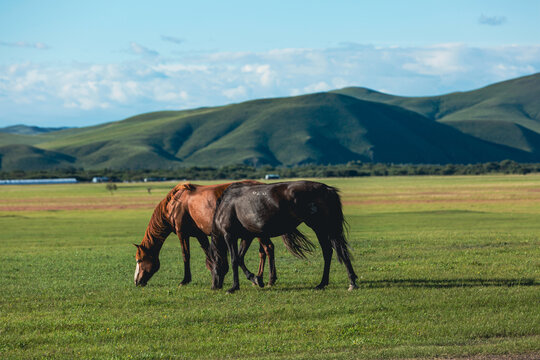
<point>529,356</point>
<point>78,203</point>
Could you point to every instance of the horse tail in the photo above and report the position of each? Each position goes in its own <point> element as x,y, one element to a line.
<point>338,226</point>
<point>218,250</point>
<point>297,244</point>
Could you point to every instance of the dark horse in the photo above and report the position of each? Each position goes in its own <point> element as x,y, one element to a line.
<point>270,210</point>
<point>188,211</point>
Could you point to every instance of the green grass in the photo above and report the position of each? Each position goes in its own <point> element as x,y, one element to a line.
<point>448,267</point>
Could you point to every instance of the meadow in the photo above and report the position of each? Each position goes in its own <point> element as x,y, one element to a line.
<point>448,267</point>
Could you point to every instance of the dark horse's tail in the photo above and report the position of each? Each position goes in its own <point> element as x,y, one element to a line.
<point>337,225</point>
<point>297,244</point>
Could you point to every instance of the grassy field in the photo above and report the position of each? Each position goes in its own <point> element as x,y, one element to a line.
<point>448,266</point>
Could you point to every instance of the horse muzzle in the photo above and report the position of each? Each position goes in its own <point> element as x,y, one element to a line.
<point>140,283</point>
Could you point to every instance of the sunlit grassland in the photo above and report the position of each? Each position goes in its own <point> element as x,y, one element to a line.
<point>448,266</point>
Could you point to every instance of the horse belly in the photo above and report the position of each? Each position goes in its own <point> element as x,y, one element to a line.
<point>268,223</point>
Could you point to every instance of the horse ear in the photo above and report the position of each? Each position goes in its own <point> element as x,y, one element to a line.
<point>142,247</point>
<point>188,186</point>
<point>136,245</point>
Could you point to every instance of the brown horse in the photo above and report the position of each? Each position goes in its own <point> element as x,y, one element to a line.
<point>188,211</point>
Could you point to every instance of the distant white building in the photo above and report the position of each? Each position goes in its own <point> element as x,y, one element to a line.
<point>150,179</point>
<point>271,177</point>
<point>38,181</point>
<point>100,179</point>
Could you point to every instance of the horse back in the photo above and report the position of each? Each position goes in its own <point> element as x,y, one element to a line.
<point>194,205</point>
<point>267,209</point>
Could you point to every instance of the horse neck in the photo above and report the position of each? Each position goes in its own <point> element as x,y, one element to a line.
<point>157,230</point>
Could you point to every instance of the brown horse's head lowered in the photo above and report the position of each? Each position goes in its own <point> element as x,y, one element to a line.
<point>147,265</point>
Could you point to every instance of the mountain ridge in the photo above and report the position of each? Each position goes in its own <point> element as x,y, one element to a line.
<point>22,129</point>
<point>497,122</point>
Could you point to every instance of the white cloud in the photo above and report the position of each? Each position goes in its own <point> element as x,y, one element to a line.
<point>317,87</point>
<point>117,94</point>
<point>25,44</point>
<point>170,69</point>
<point>138,49</point>
<point>173,39</point>
<point>168,94</point>
<point>263,73</point>
<point>438,60</point>
<point>209,79</point>
<point>491,20</point>
<point>235,93</point>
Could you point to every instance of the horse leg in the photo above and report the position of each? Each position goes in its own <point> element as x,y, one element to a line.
<point>244,246</point>
<point>203,241</point>
<point>327,251</point>
<point>184,243</point>
<point>268,246</point>
<point>352,275</point>
<point>233,250</point>
<point>262,260</point>
<point>338,242</point>
<point>326,246</point>
<point>205,245</point>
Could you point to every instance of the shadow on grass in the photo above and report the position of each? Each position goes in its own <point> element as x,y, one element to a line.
<point>419,283</point>
<point>447,283</point>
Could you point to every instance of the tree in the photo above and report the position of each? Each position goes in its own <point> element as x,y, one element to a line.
<point>111,187</point>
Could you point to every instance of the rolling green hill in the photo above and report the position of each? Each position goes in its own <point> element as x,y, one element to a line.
<point>23,157</point>
<point>28,130</point>
<point>484,113</point>
<point>501,121</point>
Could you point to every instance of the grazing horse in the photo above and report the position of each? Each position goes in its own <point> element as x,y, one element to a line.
<point>188,211</point>
<point>269,210</point>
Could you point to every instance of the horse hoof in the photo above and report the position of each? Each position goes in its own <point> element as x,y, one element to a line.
<point>256,281</point>
<point>352,287</point>
<point>320,287</point>
<point>251,277</point>
<point>231,290</point>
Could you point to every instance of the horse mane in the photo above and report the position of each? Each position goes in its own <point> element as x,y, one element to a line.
<point>249,181</point>
<point>159,227</point>
<point>238,184</point>
<point>189,186</point>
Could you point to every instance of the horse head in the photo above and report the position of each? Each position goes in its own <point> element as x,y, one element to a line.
<point>147,265</point>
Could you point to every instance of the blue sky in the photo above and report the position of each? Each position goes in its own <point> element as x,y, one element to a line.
<point>74,63</point>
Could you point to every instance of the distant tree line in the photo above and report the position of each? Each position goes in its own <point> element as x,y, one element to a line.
<point>351,169</point>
